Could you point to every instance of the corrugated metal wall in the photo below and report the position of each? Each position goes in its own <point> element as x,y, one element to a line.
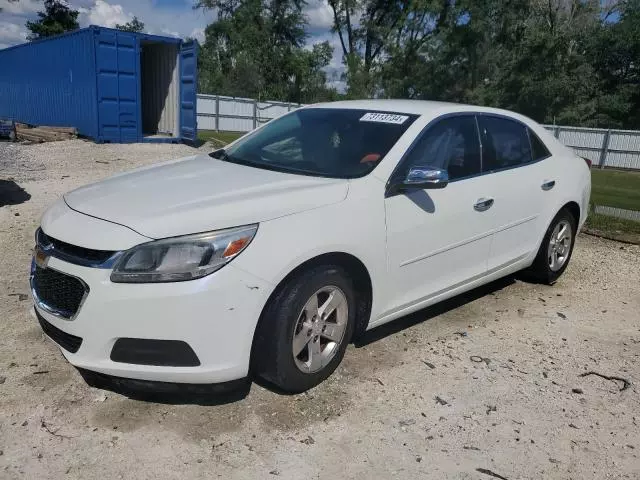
<point>91,79</point>
<point>159,77</point>
<point>51,82</point>
<point>117,78</point>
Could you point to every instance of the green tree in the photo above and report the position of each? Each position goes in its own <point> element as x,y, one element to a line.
<point>134,25</point>
<point>409,69</point>
<point>615,54</point>
<point>542,68</point>
<point>364,28</point>
<point>256,49</point>
<point>373,31</point>
<point>536,57</point>
<point>564,61</point>
<point>309,79</point>
<point>57,18</point>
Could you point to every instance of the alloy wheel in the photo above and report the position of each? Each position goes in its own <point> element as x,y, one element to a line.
<point>559,245</point>
<point>320,329</point>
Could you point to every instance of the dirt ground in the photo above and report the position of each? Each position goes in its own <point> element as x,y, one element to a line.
<point>490,383</point>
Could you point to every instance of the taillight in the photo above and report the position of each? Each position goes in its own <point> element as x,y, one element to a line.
<point>587,161</point>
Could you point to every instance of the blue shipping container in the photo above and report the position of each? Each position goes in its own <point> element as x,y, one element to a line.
<point>113,86</point>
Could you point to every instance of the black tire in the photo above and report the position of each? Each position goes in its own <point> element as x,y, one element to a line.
<point>272,355</point>
<point>540,270</point>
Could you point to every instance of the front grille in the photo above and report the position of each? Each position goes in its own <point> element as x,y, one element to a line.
<point>72,253</point>
<point>67,341</point>
<point>59,292</point>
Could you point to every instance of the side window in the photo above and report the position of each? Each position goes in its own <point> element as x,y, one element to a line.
<point>505,143</point>
<point>451,144</point>
<point>538,149</point>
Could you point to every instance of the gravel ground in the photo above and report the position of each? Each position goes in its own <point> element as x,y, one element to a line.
<point>492,381</point>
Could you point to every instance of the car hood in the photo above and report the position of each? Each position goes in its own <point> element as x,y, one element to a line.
<point>200,193</point>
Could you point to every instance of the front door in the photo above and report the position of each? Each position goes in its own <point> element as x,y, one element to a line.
<point>438,239</point>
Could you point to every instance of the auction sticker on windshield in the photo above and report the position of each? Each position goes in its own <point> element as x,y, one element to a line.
<point>384,118</point>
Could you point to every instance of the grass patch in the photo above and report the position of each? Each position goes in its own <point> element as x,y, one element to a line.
<point>615,188</point>
<point>218,138</point>
<point>613,228</point>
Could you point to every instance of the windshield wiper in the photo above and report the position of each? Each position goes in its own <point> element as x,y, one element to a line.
<point>220,154</point>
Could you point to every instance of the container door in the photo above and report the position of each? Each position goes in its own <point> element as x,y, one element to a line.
<point>117,70</point>
<point>188,91</point>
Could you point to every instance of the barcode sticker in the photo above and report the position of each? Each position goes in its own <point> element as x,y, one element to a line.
<point>384,118</point>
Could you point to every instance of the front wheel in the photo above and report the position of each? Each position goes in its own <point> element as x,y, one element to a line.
<point>305,329</point>
<point>556,248</point>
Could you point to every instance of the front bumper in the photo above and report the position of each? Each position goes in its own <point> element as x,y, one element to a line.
<point>215,315</point>
<point>163,392</point>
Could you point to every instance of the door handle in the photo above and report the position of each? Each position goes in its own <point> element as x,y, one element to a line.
<point>483,204</point>
<point>548,185</point>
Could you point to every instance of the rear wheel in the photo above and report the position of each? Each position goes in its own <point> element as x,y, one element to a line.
<point>556,248</point>
<point>305,329</point>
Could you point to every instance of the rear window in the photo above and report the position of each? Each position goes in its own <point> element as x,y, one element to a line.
<point>328,142</point>
<point>505,143</point>
<point>538,149</point>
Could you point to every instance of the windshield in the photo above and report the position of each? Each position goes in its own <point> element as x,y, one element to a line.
<point>326,142</point>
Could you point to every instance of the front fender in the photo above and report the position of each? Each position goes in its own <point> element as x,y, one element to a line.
<point>281,245</point>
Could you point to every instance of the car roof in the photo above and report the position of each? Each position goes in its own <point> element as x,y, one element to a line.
<point>415,107</point>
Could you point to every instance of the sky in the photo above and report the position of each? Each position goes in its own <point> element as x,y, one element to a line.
<point>162,17</point>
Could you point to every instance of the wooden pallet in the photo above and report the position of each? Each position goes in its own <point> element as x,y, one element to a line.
<point>44,134</point>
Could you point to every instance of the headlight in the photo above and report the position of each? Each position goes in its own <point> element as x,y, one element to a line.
<point>182,258</point>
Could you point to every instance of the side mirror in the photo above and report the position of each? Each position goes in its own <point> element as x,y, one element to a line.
<point>426,177</point>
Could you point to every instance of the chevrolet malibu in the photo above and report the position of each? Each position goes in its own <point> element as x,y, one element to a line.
<point>268,257</point>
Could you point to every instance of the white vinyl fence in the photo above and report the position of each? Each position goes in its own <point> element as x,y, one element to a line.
<point>234,114</point>
<point>605,148</point>
<point>618,212</point>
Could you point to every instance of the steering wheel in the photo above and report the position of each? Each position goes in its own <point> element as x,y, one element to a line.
<point>271,156</point>
<point>303,164</point>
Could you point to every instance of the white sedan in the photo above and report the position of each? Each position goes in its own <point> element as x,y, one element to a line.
<point>268,257</point>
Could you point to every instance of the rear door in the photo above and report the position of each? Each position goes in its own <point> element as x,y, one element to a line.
<point>117,69</point>
<point>521,188</point>
<point>188,91</point>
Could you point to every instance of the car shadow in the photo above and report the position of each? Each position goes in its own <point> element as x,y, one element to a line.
<point>422,200</point>
<point>12,194</point>
<point>428,313</point>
